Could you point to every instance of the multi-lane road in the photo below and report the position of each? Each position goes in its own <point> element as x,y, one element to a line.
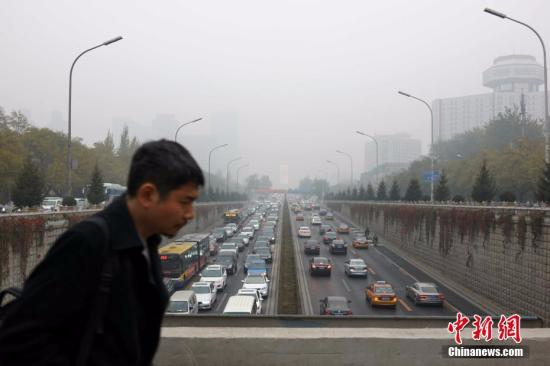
<point>383,265</point>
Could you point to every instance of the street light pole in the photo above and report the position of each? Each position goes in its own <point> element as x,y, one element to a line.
<point>377,152</point>
<point>351,164</point>
<point>209,157</point>
<point>337,172</point>
<point>185,124</point>
<point>69,144</point>
<point>227,174</point>
<point>546,116</point>
<point>238,170</point>
<point>432,143</point>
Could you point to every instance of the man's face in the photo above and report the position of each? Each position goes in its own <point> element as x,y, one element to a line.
<point>170,214</point>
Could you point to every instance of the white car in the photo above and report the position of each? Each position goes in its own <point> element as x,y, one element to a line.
<point>255,294</point>
<point>304,232</point>
<point>232,226</point>
<point>215,273</point>
<point>257,282</point>
<point>206,294</point>
<point>316,220</point>
<point>248,230</point>
<point>230,247</point>
<point>255,224</point>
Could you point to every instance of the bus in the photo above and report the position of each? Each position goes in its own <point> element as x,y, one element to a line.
<point>182,259</point>
<point>232,216</point>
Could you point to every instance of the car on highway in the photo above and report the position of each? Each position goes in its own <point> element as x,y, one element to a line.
<point>212,245</point>
<point>261,244</point>
<point>206,294</point>
<point>257,267</point>
<point>228,260</point>
<point>320,265</point>
<point>265,254</point>
<point>269,234</point>
<point>249,259</point>
<point>425,293</point>
<point>325,228</point>
<point>255,224</point>
<point>229,247</point>
<point>355,267</point>
<point>257,282</point>
<point>240,305</point>
<point>338,246</point>
<point>249,231</point>
<point>312,246</point>
<point>232,226</point>
<point>299,217</point>
<point>220,234</point>
<point>360,242</point>
<point>216,274</point>
<point>335,305</point>
<point>329,216</point>
<point>316,220</point>
<point>381,293</point>
<point>329,237</point>
<point>228,231</point>
<point>182,303</point>
<point>304,232</point>
<point>323,212</point>
<point>255,294</point>
<point>243,238</point>
<point>343,229</point>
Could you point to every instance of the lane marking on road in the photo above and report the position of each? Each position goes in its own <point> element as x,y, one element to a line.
<point>346,285</point>
<point>354,252</point>
<point>404,304</point>
<point>450,306</point>
<point>371,271</point>
<point>220,302</point>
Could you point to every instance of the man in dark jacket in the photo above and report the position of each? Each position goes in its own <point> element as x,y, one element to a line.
<point>47,325</point>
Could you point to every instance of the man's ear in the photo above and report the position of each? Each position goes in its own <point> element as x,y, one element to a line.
<point>147,195</point>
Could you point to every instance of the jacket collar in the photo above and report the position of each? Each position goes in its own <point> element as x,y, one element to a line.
<point>123,231</point>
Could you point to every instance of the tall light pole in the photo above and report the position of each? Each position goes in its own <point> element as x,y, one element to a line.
<point>337,172</point>
<point>238,170</point>
<point>432,143</point>
<point>377,152</point>
<point>351,164</point>
<point>209,157</point>
<point>185,124</point>
<point>227,174</point>
<point>546,117</point>
<point>69,147</point>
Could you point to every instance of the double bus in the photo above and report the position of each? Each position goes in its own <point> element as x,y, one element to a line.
<point>232,216</point>
<point>183,258</point>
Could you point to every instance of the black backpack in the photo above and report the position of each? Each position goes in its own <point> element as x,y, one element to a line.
<point>95,321</point>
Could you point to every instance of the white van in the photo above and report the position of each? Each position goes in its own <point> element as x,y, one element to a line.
<point>240,305</point>
<point>183,303</point>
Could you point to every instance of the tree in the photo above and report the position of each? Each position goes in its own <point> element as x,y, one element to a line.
<point>354,194</point>
<point>370,193</point>
<point>484,187</point>
<point>507,197</point>
<point>362,193</point>
<point>458,198</point>
<point>543,186</point>
<point>29,186</point>
<point>414,193</point>
<point>381,192</point>
<point>442,192</point>
<point>96,193</point>
<point>395,191</point>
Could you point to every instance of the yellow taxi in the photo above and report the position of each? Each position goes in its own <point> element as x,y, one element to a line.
<point>381,293</point>
<point>360,242</point>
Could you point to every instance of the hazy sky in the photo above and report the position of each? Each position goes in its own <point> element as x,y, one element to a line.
<point>300,76</point>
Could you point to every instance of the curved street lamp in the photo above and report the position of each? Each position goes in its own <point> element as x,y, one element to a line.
<point>227,174</point>
<point>185,124</point>
<point>377,152</point>
<point>238,170</point>
<point>69,147</point>
<point>351,163</point>
<point>209,157</point>
<point>432,143</point>
<point>546,117</point>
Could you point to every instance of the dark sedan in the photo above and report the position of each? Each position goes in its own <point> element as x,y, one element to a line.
<point>335,305</point>
<point>425,293</point>
<point>329,237</point>
<point>320,265</point>
<point>312,247</point>
<point>338,246</point>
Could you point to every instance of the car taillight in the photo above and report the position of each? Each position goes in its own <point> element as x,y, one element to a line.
<point>313,266</point>
<point>376,298</point>
<point>423,297</point>
<point>327,312</point>
<point>441,297</point>
<point>329,266</point>
<point>348,312</point>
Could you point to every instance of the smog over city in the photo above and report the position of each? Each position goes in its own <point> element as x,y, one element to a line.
<point>285,84</point>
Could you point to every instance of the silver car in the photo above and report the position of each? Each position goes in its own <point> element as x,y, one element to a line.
<point>206,294</point>
<point>355,267</point>
<point>424,293</point>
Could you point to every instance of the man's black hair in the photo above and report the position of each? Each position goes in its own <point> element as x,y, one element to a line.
<point>166,164</point>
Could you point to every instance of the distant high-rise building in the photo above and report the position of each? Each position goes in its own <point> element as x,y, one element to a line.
<point>512,78</point>
<point>399,148</point>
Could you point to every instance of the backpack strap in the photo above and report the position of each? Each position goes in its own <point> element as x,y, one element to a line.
<point>101,299</point>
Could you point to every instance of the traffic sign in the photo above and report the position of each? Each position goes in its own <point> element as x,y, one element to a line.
<point>431,175</point>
